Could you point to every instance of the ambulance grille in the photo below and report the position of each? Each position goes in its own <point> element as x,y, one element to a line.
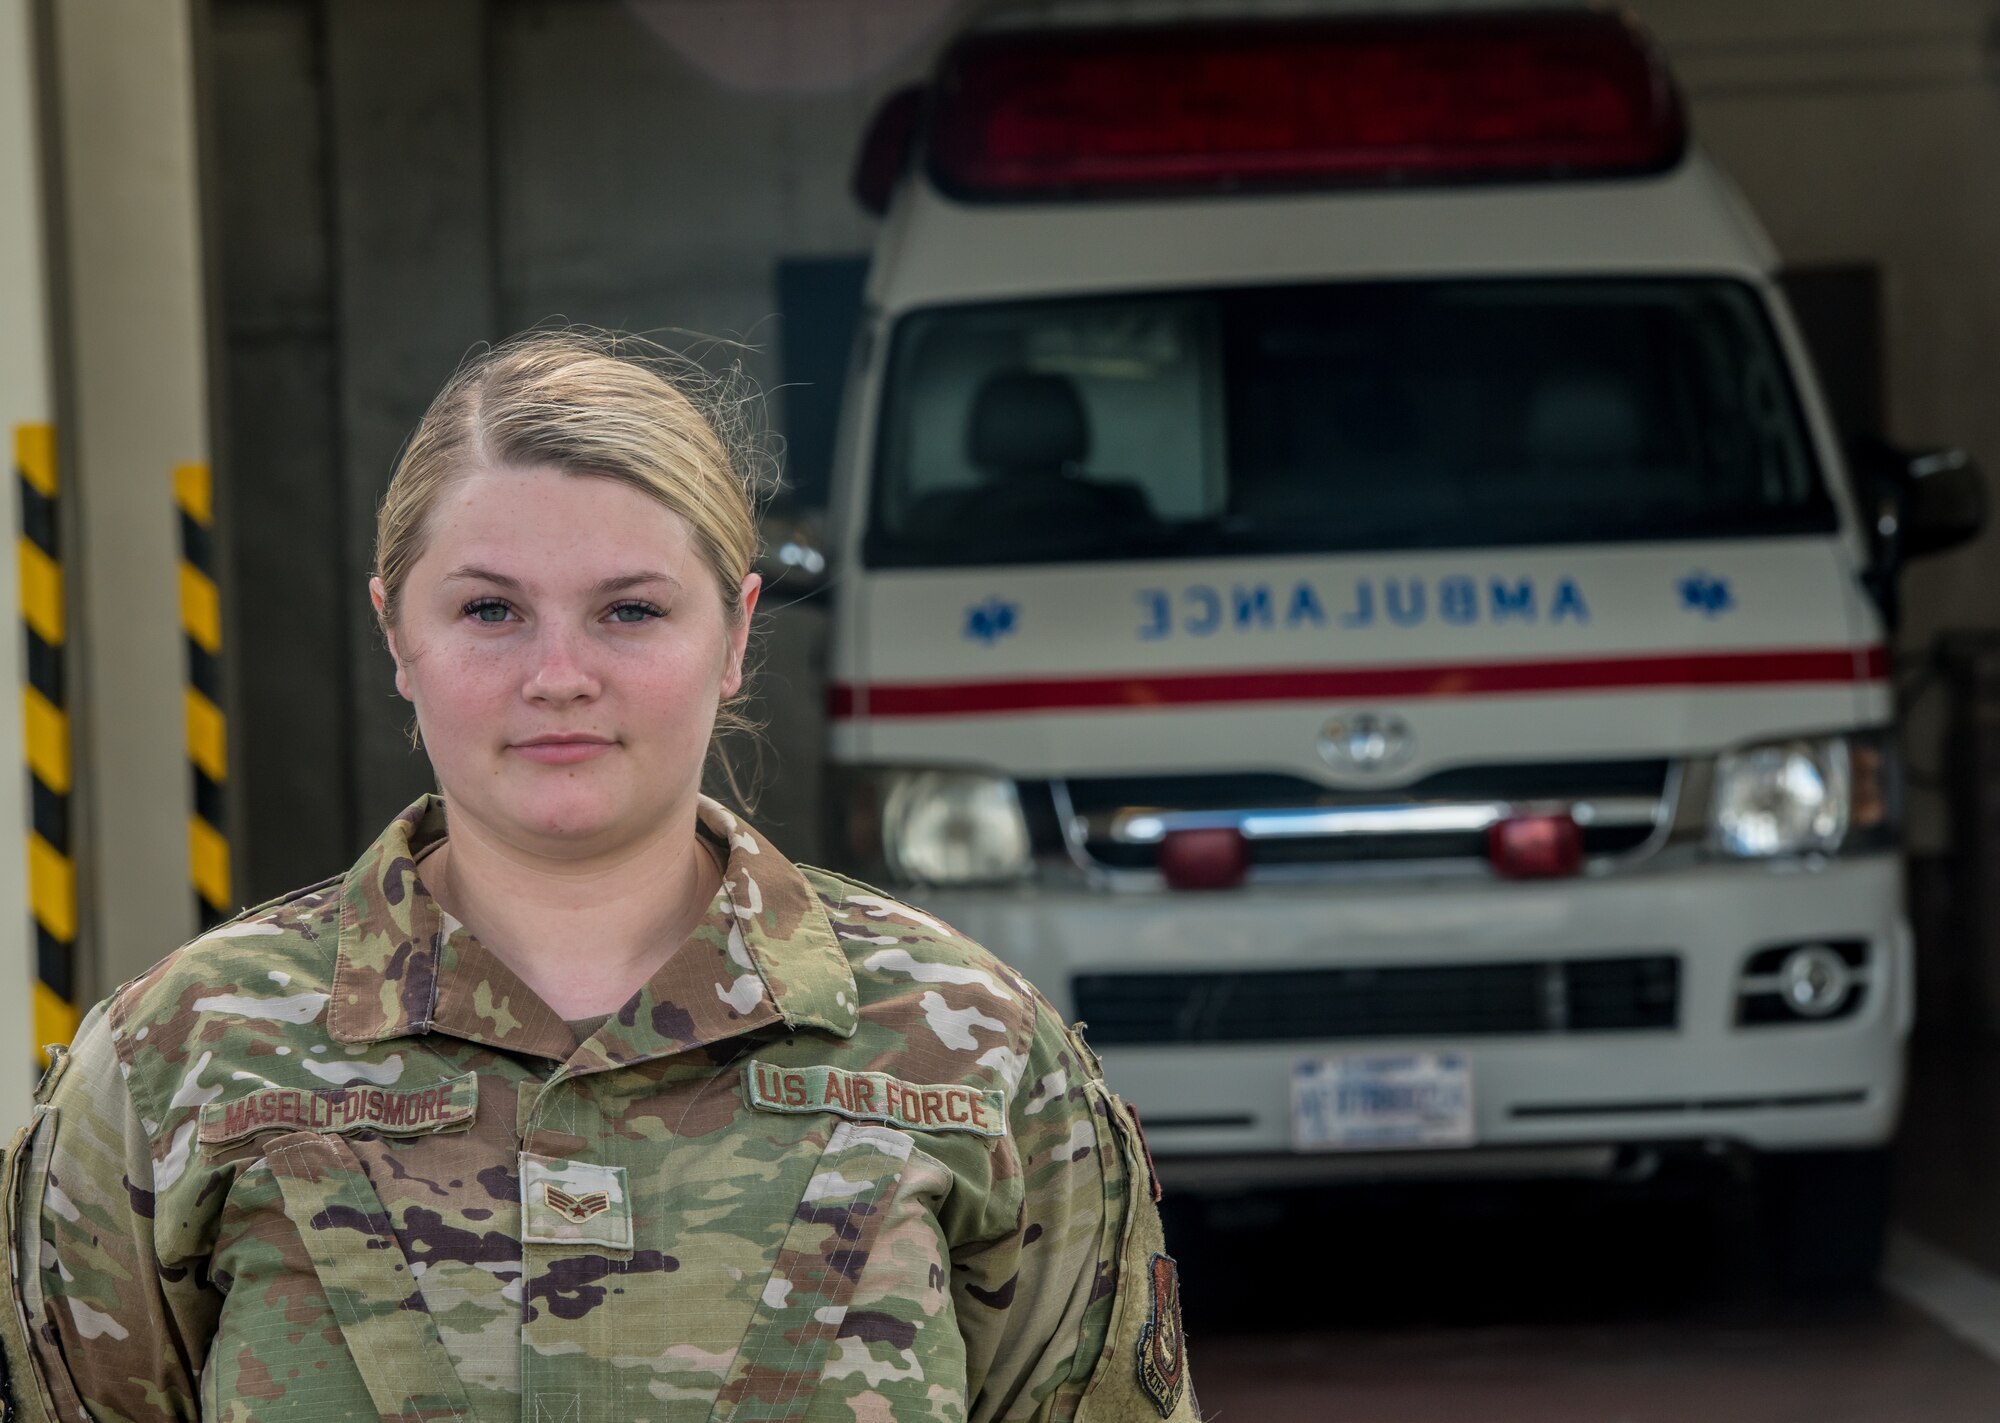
<point>1597,995</point>
<point>1636,790</point>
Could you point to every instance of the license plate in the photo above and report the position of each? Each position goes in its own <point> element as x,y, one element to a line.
<point>1381,1101</point>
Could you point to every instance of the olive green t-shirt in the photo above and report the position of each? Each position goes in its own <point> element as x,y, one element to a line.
<point>585,1028</point>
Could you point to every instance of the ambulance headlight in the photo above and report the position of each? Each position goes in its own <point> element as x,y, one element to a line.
<point>1800,797</point>
<point>954,828</point>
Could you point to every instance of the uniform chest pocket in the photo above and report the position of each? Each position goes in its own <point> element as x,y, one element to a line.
<point>825,1249</point>
<point>366,1279</point>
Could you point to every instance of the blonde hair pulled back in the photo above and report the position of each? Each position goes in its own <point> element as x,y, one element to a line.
<point>598,405</point>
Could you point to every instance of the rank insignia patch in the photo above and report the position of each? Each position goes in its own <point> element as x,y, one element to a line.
<point>576,1208</point>
<point>572,1203</point>
<point>1162,1349</point>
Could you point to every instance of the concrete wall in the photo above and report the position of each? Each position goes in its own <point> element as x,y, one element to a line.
<point>653,186</point>
<point>645,164</point>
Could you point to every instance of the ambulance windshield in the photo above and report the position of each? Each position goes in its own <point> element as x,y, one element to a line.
<point>1392,415</point>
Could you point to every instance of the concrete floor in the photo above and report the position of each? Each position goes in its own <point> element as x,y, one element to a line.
<point>1881,1364</point>
<point>1545,1309</point>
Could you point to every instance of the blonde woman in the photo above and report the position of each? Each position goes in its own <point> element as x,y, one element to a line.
<point>574,1101</point>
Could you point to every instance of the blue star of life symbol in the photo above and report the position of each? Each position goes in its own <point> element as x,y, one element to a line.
<point>1706,594</point>
<point>991,620</point>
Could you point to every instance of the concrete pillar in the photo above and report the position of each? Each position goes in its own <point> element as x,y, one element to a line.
<point>414,254</point>
<point>25,402</point>
<point>134,380</point>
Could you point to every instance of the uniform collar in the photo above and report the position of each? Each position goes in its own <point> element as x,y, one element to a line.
<point>765,954</point>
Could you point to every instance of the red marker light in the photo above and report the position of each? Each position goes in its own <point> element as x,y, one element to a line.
<point>1535,846</point>
<point>1204,859</point>
<point>1139,109</point>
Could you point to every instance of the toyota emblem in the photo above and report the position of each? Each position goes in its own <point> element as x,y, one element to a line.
<point>1367,742</point>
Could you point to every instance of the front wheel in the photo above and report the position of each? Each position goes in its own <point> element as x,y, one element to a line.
<point>1825,1216</point>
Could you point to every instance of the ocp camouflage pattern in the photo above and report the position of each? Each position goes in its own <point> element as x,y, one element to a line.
<point>334,1160</point>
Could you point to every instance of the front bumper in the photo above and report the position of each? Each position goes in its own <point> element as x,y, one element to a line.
<point>1790,1086</point>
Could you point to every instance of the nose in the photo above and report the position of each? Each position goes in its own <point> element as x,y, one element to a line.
<point>562,672</point>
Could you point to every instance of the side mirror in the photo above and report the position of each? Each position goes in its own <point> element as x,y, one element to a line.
<point>1944,502</point>
<point>1914,504</point>
<point>794,561</point>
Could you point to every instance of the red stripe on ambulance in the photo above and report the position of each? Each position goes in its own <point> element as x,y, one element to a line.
<point>1136,691</point>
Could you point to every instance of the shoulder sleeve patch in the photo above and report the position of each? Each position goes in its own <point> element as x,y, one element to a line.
<point>876,1097</point>
<point>1162,1351</point>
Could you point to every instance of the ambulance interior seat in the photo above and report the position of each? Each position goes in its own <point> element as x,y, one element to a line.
<point>1027,436</point>
<point>1320,447</point>
<point>1587,436</point>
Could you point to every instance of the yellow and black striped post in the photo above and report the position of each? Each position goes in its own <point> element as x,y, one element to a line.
<point>207,738</point>
<point>45,714</point>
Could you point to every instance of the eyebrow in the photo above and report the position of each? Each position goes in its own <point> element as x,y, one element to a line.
<point>622,581</point>
<point>483,575</point>
<point>617,583</point>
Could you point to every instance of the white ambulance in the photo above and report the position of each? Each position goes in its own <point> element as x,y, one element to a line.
<point>1345,578</point>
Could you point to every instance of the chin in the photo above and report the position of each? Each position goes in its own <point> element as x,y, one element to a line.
<point>569,817</point>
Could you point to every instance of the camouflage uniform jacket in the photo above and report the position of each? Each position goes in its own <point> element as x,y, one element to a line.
<point>335,1161</point>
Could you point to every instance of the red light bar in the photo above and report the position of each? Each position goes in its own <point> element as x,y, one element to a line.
<point>1389,100</point>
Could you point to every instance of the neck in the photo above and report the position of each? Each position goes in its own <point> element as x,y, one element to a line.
<point>584,935</point>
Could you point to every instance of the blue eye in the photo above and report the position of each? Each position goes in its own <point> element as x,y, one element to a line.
<point>488,610</point>
<point>634,612</point>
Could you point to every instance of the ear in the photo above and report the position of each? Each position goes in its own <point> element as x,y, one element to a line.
<point>739,635</point>
<point>378,595</point>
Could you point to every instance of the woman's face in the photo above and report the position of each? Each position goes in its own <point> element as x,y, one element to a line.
<point>565,647</point>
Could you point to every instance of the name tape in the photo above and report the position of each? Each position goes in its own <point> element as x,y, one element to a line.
<point>343,1109</point>
<point>877,1097</point>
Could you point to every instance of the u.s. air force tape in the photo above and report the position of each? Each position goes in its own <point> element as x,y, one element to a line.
<point>438,1106</point>
<point>877,1097</point>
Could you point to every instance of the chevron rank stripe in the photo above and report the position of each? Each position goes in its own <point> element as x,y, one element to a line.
<point>207,730</point>
<point>45,720</point>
